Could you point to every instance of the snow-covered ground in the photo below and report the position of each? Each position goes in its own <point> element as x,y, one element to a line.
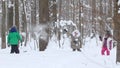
<point>55,57</point>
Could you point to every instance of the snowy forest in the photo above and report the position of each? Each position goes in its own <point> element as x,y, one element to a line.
<point>39,21</point>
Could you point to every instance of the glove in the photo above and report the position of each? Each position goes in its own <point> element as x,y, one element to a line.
<point>110,48</point>
<point>21,43</point>
<point>8,45</point>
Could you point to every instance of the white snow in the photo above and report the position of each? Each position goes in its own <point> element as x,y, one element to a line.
<point>119,10</point>
<point>55,57</point>
<point>118,2</point>
<point>119,5</point>
<point>0,11</point>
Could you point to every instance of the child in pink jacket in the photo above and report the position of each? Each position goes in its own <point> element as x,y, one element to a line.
<point>107,44</point>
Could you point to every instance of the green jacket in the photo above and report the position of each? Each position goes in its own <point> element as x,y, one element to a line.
<point>14,38</point>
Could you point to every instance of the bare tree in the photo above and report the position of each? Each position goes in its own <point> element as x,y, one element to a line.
<point>16,2</point>
<point>43,19</point>
<point>3,25</point>
<point>116,28</point>
<point>24,20</point>
<point>33,12</point>
<point>10,14</point>
<point>44,11</point>
<point>33,17</point>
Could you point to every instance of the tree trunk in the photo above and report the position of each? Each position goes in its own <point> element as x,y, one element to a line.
<point>24,22</point>
<point>80,18</point>
<point>33,12</point>
<point>73,2</point>
<point>116,29</point>
<point>43,19</point>
<point>102,24</point>
<point>54,11</point>
<point>10,16</point>
<point>3,25</point>
<point>43,11</point>
<point>33,16</point>
<point>17,14</point>
<point>59,9</point>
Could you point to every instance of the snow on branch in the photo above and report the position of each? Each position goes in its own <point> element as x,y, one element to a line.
<point>119,5</point>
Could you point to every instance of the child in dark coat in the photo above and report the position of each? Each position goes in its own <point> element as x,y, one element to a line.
<point>13,39</point>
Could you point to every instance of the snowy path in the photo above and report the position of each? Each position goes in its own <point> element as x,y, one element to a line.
<point>55,57</point>
<point>42,59</point>
<point>58,59</point>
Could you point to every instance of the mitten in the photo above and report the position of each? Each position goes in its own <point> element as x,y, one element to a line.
<point>8,45</point>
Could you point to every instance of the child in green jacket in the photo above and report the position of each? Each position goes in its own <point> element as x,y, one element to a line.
<point>13,39</point>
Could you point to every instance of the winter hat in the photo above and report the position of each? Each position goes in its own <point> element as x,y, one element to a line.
<point>108,33</point>
<point>13,29</point>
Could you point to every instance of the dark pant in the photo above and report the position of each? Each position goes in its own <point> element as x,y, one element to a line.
<point>14,49</point>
